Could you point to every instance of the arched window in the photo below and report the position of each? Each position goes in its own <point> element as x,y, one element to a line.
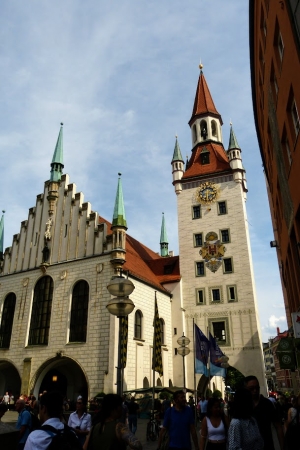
<point>194,133</point>
<point>158,382</point>
<point>214,129</point>
<point>138,325</point>
<point>203,128</point>
<point>7,320</point>
<point>41,312</point>
<point>79,312</point>
<point>162,331</point>
<point>145,383</point>
<point>170,383</point>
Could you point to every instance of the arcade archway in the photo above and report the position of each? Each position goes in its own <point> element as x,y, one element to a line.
<point>62,374</point>
<point>10,380</point>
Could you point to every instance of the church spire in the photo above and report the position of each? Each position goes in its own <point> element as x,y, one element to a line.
<point>1,235</point>
<point>205,122</point>
<point>57,160</point>
<point>233,143</point>
<point>119,218</point>
<point>177,156</point>
<point>119,227</point>
<point>177,167</point>
<point>163,238</point>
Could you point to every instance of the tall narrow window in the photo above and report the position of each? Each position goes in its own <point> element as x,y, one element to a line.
<point>41,312</point>
<point>200,271</point>
<point>196,212</point>
<point>198,241</point>
<point>138,325</point>
<point>222,208</point>
<point>79,312</point>
<point>7,320</point>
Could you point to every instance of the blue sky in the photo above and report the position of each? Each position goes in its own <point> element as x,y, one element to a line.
<point>122,76</point>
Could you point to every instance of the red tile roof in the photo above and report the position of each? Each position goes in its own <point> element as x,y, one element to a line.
<point>217,157</point>
<point>145,264</point>
<point>203,103</point>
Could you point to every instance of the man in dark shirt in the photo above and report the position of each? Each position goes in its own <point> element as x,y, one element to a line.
<point>133,409</point>
<point>180,423</point>
<point>265,414</point>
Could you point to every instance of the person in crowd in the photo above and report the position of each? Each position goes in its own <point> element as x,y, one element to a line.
<point>50,412</point>
<point>203,407</point>
<point>292,435</point>
<point>3,409</point>
<point>133,409</point>
<point>109,432</point>
<point>5,398</point>
<point>11,403</point>
<point>124,416</point>
<point>80,420</point>
<point>214,427</point>
<point>23,423</point>
<point>179,421</point>
<point>265,414</point>
<point>166,404</point>
<point>282,407</point>
<point>243,431</point>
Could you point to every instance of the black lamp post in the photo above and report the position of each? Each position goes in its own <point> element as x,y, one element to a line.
<point>120,306</point>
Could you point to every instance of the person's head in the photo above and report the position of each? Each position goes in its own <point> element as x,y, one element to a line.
<point>251,383</point>
<point>242,407</point>
<point>282,399</point>
<point>81,404</point>
<point>179,399</point>
<point>132,399</point>
<point>111,407</point>
<point>51,405</point>
<point>214,407</point>
<point>3,409</point>
<point>20,405</point>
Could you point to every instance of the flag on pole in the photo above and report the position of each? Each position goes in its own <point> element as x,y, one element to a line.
<point>157,358</point>
<point>216,359</point>
<point>202,351</point>
<point>124,340</point>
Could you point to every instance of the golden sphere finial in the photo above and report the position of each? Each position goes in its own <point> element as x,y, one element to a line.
<point>200,66</point>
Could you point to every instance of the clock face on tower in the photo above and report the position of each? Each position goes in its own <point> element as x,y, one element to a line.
<point>207,193</point>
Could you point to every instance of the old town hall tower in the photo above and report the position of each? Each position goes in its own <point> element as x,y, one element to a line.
<point>218,287</point>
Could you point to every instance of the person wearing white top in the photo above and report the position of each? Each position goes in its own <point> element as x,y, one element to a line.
<point>51,407</point>
<point>80,420</point>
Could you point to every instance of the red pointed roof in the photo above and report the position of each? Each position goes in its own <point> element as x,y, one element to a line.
<point>218,161</point>
<point>203,103</point>
<point>145,264</point>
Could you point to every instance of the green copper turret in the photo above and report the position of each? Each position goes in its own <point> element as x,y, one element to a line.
<point>57,164</point>
<point>233,143</point>
<point>164,250</point>
<point>119,218</point>
<point>177,156</point>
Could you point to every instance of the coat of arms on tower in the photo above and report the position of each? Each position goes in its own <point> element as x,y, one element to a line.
<point>212,251</point>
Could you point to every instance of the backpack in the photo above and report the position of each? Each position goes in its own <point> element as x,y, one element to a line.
<point>64,439</point>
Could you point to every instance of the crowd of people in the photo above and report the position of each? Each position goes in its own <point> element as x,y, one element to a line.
<point>245,423</point>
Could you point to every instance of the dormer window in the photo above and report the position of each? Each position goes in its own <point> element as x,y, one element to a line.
<point>204,156</point>
<point>203,128</point>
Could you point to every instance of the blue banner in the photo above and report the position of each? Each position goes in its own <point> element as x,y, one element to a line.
<point>202,351</point>
<point>215,359</point>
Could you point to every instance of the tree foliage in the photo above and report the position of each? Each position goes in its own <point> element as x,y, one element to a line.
<point>234,378</point>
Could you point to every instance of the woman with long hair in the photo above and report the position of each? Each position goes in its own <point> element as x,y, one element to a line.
<point>243,431</point>
<point>109,433</point>
<point>214,427</point>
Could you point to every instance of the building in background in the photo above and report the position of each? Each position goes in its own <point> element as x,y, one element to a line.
<point>55,329</point>
<point>275,78</point>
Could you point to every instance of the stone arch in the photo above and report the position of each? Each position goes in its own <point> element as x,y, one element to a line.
<point>10,379</point>
<point>71,378</point>
<point>170,383</point>
<point>158,382</point>
<point>214,129</point>
<point>146,383</point>
<point>202,385</point>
